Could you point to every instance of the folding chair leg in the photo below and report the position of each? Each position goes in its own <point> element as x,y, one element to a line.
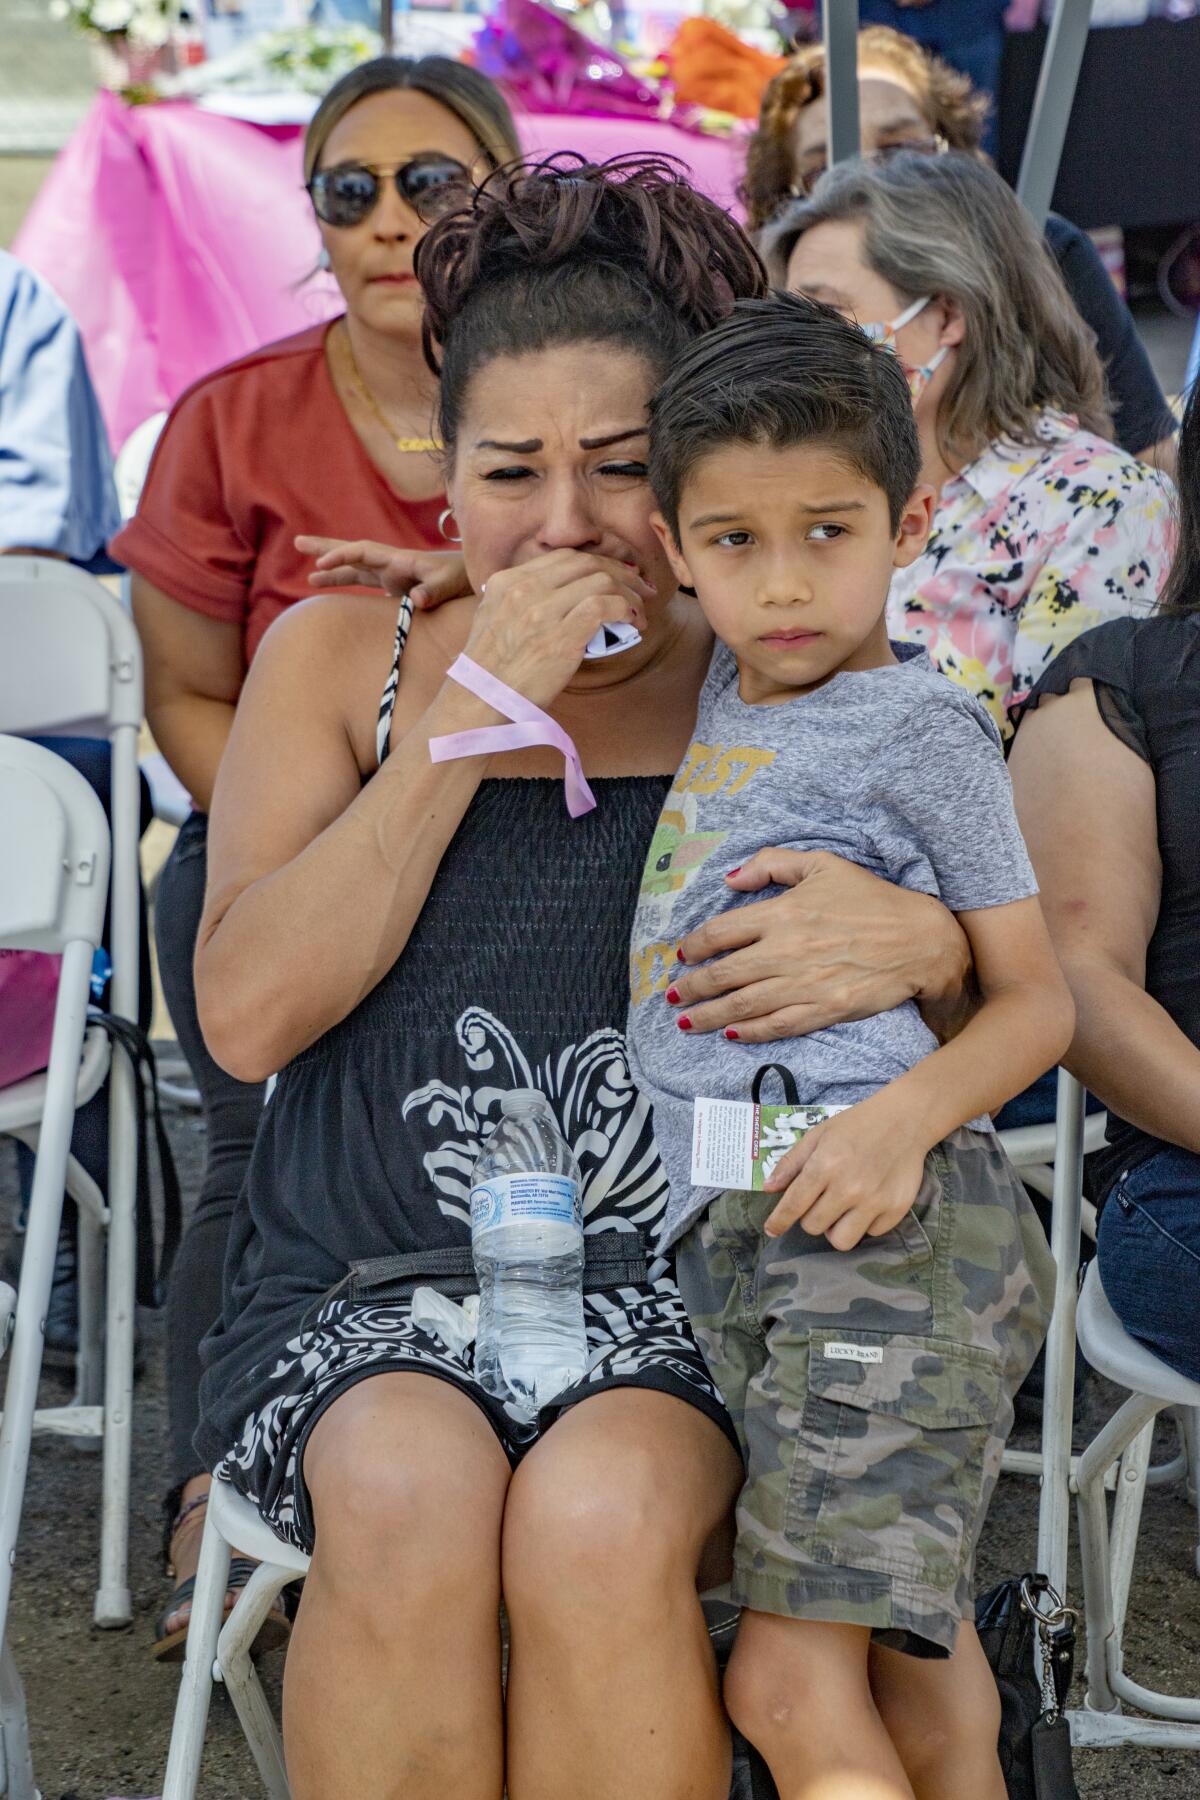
<point>1054,1503</point>
<point>1126,1520</point>
<point>196,1681</point>
<point>114,1607</point>
<point>241,1680</point>
<point>89,1368</point>
<point>37,1263</point>
<point>1189,1426</point>
<point>16,1762</point>
<point>113,1601</point>
<point>1103,1632</point>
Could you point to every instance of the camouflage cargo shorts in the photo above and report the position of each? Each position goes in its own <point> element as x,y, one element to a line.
<point>872,1391</point>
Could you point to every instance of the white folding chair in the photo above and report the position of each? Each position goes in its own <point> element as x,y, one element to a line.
<point>169,797</point>
<point>1108,1554</point>
<point>1050,1159</point>
<point>133,462</point>
<point>54,867</point>
<point>217,1652</point>
<point>73,667</point>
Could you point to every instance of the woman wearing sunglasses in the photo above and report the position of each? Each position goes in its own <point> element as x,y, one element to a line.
<point>335,423</point>
<point>1042,527</point>
<point>910,99</point>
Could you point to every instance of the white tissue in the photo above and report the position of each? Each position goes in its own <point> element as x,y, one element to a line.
<point>610,640</point>
<point>454,1324</point>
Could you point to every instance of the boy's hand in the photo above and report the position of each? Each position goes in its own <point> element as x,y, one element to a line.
<point>428,577</point>
<point>853,1176</point>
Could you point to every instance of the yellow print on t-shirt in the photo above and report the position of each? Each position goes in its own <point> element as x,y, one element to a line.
<point>679,850</point>
<point>720,769</point>
<point>652,968</point>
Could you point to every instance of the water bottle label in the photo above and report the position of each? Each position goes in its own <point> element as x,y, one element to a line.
<point>526,1200</point>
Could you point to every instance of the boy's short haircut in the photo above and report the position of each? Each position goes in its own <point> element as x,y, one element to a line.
<point>778,373</point>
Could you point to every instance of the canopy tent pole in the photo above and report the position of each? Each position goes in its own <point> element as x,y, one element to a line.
<point>387,28</point>
<point>841,79</point>
<point>1057,81</point>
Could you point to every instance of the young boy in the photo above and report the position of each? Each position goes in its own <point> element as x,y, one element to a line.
<point>870,1318</point>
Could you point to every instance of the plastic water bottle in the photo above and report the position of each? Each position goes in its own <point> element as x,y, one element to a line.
<point>527,1243</point>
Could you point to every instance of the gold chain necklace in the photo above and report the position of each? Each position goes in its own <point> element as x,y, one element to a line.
<point>407,445</point>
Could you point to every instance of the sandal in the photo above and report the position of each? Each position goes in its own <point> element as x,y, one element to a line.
<point>169,1646</point>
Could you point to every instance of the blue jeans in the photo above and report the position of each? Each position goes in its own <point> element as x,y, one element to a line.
<point>1149,1254</point>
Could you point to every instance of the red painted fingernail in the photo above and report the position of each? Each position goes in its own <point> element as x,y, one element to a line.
<point>673,996</point>
<point>679,956</point>
<point>684,1024</point>
<point>730,872</point>
<point>731,1034</point>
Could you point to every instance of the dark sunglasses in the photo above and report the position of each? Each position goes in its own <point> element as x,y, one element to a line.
<point>808,178</point>
<point>430,183</point>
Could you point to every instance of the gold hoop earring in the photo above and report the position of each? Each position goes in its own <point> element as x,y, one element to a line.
<point>447,515</point>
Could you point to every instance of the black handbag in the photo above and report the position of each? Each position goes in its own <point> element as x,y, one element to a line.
<point>153,1272</point>
<point>1035,1739</point>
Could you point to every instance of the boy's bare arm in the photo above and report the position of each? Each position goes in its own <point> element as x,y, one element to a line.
<point>1021,1028</point>
<point>858,1173</point>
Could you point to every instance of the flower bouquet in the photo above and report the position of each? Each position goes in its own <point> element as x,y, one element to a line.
<point>134,41</point>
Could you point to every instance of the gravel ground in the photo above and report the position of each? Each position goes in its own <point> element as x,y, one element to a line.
<point>100,1709</point>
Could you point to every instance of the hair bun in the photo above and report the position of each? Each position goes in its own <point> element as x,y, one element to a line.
<point>638,213</point>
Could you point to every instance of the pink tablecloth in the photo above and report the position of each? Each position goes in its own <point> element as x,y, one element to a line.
<point>180,239</point>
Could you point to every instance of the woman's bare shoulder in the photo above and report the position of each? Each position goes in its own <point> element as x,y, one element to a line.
<point>313,629</point>
<point>332,654</point>
<point>357,624</point>
<point>324,660</point>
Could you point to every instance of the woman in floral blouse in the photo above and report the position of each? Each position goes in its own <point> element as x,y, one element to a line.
<point>1043,528</point>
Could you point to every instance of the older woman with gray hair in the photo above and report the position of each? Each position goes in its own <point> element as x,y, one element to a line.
<point>1043,528</point>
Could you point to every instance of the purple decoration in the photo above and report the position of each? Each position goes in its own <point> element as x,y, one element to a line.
<point>547,66</point>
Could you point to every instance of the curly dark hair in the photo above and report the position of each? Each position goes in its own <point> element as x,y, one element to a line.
<point>951,105</point>
<point>565,251</point>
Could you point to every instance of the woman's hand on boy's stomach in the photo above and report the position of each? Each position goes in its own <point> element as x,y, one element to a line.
<point>853,1176</point>
<point>838,944</point>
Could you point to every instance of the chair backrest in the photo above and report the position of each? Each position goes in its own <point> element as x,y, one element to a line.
<point>133,462</point>
<point>54,851</point>
<point>72,663</point>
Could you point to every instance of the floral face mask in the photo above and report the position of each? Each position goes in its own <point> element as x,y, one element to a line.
<point>884,334</point>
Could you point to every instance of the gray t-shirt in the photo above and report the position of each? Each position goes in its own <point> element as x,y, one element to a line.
<point>896,769</point>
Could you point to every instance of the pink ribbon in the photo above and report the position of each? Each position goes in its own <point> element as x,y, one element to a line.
<point>530,726</point>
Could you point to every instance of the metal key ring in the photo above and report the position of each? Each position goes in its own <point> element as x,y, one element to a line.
<point>1057,1612</point>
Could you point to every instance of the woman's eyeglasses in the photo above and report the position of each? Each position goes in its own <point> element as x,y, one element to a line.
<point>808,178</point>
<point>349,192</point>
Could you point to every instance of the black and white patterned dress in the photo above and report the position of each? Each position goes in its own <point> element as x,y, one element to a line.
<point>515,975</point>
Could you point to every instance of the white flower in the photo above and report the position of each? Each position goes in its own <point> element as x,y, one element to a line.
<point>58,9</point>
<point>149,27</point>
<point>111,15</point>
